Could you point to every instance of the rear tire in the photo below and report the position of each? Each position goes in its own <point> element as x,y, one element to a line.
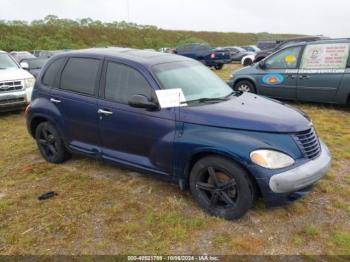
<point>219,66</point>
<point>245,86</point>
<point>50,143</point>
<point>221,187</point>
<point>248,62</point>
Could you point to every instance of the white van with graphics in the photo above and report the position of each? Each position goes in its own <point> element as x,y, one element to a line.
<point>16,84</point>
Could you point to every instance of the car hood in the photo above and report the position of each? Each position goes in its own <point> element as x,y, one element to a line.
<point>13,74</point>
<point>35,72</point>
<point>249,112</point>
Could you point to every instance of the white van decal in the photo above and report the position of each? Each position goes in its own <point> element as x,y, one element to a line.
<point>325,56</point>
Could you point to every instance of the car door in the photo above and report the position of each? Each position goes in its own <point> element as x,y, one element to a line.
<point>277,74</point>
<point>321,71</point>
<point>129,135</point>
<point>235,54</point>
<point>76,102</point>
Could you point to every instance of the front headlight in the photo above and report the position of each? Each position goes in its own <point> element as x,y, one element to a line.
<point>232,75</point>
<point>271,159</point>
<point>29,82</point>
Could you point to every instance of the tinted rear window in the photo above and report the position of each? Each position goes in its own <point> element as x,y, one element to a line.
<point>52,72</point>
<point>79,75</point>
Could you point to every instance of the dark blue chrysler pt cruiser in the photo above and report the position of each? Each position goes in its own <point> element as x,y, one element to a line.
<point>228,147</point>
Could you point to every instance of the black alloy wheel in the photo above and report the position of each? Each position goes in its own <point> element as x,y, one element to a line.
<point>221,187</point>
<point>50,144</point>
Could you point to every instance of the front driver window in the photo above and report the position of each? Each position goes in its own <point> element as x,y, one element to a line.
<point>286,59</point>
<point>122,82</point>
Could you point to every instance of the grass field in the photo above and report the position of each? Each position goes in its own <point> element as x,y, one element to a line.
<point>102,209</point>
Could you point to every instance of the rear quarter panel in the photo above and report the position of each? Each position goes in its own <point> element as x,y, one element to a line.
<point>343,93</point>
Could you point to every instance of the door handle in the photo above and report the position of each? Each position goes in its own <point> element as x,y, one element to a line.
<point>291,76</point>
<point>304,77</point>
<point>54,100</point>
<point>104,112</point>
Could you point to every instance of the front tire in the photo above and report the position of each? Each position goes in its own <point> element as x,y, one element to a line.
<point>50,143</point>
<point>245,86</point>
<point>221,187</point>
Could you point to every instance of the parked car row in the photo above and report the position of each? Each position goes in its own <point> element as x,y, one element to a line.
<point>271,46</point>
<point>205,54</point>
<point>212,57</point>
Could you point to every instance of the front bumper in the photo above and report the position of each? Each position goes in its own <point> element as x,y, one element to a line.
<point>302,176</point>
<point>15,100</point>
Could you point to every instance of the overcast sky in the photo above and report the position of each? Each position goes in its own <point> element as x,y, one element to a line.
<point>327,17</point>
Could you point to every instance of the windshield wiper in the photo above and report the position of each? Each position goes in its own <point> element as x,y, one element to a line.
<point>230,94</point>
<point>207,99</point>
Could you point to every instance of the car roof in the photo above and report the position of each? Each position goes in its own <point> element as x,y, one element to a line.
<point>144,57</point>
<point>324,41</point>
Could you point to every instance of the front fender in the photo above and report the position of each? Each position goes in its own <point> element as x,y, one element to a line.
<point>232,143</point>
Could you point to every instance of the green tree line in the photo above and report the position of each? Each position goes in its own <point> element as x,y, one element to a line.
<point>53,33</point>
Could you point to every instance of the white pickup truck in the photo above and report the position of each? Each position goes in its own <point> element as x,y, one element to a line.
<point>16,84</point>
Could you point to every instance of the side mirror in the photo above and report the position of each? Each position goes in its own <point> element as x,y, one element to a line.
<point>262,64</point>
<point>24,65</point>
<point>141,101</point>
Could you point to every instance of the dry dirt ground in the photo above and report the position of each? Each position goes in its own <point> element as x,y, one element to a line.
<point>102,209</point>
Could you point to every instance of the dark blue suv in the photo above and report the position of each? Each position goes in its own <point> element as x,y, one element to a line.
<point>227,147</point>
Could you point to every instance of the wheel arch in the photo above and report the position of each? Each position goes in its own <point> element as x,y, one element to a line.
<point>35,122</point>
<point>244,58</point>
<point>246,78</point>
<point>199,155</point>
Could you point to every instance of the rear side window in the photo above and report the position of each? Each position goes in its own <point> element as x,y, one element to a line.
<point>122,82</point>
<point>80,74</point>
<point>51,73</point>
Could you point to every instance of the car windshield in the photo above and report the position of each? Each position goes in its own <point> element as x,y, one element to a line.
<point>36,63</point>
<point>196,80</point>
<point>7,62</point>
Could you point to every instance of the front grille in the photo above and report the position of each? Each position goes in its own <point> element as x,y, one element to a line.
<point>308,143</point>
<point>7,86</point>
<point>11,101</point>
